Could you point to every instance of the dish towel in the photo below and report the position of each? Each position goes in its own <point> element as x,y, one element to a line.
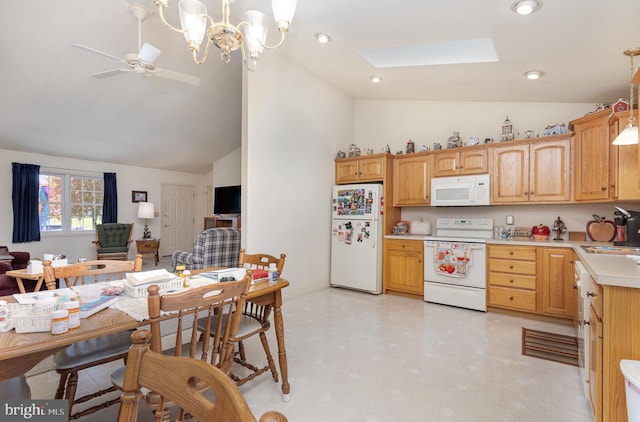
<point>452,258</point>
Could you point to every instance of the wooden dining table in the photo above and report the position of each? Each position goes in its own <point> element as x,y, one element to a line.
<point>21,352</point>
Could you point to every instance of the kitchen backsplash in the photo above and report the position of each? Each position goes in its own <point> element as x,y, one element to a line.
<point>575,216</point>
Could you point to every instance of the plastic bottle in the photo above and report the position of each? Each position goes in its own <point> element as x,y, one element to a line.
<point>60,322</point>
<point>273,273</point>
<point>73,307</point>
<point>186,278</point>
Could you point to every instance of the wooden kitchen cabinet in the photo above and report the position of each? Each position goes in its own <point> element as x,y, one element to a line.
<point>512,277</point>
<point>557,280</point>
<point>368,168</point>
<point>403,266</point>
<point>447,163</point>
<point>594,175</point>
<point>532,172</point>
<point>412,180</point>
<point>614,331</point>
<point>510,175</point>
<point>627,158</point>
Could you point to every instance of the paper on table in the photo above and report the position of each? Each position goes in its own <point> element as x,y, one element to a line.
<point>145,277</point>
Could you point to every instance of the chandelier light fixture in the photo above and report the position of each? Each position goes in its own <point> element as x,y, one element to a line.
<point>250,35</point>
<point>629,135</point>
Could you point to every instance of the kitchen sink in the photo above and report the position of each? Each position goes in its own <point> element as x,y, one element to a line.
<point>612,250</point>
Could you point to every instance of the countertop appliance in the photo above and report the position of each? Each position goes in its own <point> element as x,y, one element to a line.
<point>356,237</point>
<point>455,267</point>
<point>586,286</point>
<point>630,221</point>
<point>460,191</point>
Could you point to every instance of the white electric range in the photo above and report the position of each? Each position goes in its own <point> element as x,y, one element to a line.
<point>455,267</point>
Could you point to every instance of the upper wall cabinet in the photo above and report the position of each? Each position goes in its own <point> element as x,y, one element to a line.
<point>628,170</point>
<point>368,168</point>
<point>539,171</point>
<point>412,180</point>
<point>595,159</point>
<point>453,163</point>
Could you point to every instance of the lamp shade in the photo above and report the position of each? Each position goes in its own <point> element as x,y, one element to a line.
<point>145,210</point>
<point>629,136</point>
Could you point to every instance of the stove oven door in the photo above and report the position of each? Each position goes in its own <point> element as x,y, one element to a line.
<point>462,286</point>
<point>455,271</point>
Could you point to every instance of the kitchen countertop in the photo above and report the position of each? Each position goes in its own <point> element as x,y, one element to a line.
<point>606,269</point>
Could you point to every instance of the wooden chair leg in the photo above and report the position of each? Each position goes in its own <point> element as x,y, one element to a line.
<point>61,386</point>
<point>241,351</point>
<point>272,365</point>
<point>72,386</point>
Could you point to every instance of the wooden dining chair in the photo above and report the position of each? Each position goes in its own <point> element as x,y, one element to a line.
<point>89,353</point>
<point>217,303</point>
<point>181,385</point>
<point>254,321</point>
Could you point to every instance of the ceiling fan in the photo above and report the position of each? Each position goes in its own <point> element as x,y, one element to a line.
<point>141,62</point>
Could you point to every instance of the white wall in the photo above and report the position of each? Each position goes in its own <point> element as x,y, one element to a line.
<point>381,122</point>
<point>227,171</point>
<point>575,216</point>
<point>78,245</point>
<point>292,125</point>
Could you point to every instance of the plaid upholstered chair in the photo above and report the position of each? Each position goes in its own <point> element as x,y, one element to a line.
<point>218,247</point>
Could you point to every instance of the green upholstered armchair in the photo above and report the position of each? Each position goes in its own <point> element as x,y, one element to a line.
<point>113,240</point>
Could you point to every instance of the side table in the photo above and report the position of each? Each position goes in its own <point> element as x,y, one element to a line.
<point>149,246</point>
<point>22,274</point>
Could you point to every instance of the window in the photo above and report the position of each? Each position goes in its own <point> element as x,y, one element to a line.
<point>69,202</point>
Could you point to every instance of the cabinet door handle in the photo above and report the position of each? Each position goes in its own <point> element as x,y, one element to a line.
<point>510,297</point>
<point>591,294</point>
<point>510,280</point>
<point>532,193</point>
<point>461,167</point>
<point>604,188</point>
<point>511,267</point>
<point>510,252</point>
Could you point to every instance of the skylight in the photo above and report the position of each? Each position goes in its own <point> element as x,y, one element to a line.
<point>452,52</point>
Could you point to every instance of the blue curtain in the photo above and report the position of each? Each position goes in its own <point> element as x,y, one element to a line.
<point>110,203</point>
<point>24,196</point>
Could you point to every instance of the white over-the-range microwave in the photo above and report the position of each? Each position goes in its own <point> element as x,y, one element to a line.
<point>460,191</point>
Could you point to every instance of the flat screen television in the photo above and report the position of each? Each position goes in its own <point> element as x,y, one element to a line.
<point>226,200</point>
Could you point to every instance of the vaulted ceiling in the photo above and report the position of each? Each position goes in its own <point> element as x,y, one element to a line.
<point>51,106</point>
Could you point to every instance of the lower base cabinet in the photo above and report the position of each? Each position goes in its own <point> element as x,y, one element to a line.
<point>403,266</point>
<point>531,279</point>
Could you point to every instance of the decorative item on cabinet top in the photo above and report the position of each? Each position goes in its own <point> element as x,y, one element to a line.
<point>557,129</point>
<point>454,141</point>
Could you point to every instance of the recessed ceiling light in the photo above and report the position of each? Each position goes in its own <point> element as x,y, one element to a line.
<point>526,7</point>
<point>375,79</point>
<point>534,74</point>
<point>322,38</point>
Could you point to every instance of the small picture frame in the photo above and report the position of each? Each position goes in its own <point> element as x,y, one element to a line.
<point>138,196</point>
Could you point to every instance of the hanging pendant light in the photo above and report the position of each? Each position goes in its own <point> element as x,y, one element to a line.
<point>629,136</point>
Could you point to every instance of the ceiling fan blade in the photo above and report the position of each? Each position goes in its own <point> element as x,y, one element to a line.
<point>101,53</point>
<point>180,77</point>
<point>148,53</point>
<point>109,73</point>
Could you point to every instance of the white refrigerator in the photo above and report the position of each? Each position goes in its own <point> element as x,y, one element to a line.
<point>356,237</point>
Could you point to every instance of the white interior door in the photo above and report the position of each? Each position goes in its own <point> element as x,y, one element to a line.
<point>178,218</point>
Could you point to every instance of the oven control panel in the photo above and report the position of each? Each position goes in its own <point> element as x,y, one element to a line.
<point>465,223</point>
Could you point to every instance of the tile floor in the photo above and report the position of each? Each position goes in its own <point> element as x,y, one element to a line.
<point>358,357</point>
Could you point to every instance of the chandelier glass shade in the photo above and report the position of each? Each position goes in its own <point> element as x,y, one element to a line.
<point>250,35</point>
<point>629,136</point>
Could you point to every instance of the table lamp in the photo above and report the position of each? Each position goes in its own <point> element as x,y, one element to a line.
<point>145,212</point>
